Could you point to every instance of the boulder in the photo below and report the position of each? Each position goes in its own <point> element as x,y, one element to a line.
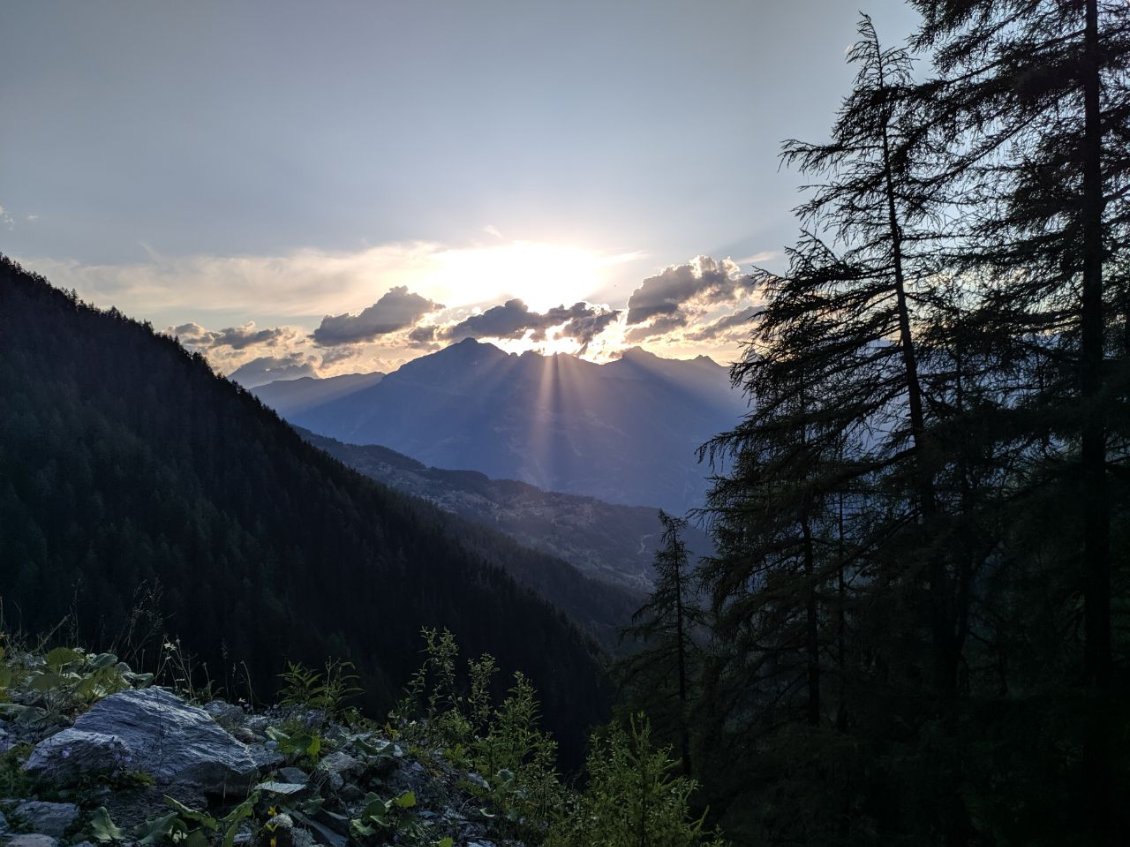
<point>338,767</point>
<point>52,819</point>
<point>72,754</point>
<point>33,840</point>
<point>296,775</point>
<point>161,734</point>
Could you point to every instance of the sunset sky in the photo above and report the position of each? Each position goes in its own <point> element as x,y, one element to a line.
<point>334,187</point>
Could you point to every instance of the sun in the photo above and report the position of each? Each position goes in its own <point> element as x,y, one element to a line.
<point>542,275</point>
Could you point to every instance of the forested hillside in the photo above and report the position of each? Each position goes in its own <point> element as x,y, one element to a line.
<point>608,542</point>
<point>128,469</point>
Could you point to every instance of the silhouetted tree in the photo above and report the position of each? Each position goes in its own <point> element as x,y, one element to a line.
<point>666,625</point>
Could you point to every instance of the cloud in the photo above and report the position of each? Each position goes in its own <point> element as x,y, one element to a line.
<point>727,325</point>
<point>584,328</point>
<point>683,296</point>
<point>660,326</point>
<point>235,337</point>
<point>424,337</point>
<point>510,320</point>
<point>703,280</point>
<point>513,319</point>
<point>266,369</point>
<point>304,283</point>
<point>334,355</point>
<point>309,283</point>
<point>398,308</point>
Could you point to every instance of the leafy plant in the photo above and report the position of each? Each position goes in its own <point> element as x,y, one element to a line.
<point>298,741</point>
<point>14,781</point>
<point>521,761</point>
<point>391,817</point>
<point>632,797</point>
<point>193,828</point>
<point>102,827</point>
<point>503,744</point>
<point>323,691</point>
<point>34,686</point>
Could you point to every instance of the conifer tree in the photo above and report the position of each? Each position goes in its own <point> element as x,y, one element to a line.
<point>1036,95</point>
<point>666,624</point>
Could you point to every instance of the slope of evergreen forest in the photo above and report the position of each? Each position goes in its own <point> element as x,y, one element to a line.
<point>600,608</point>
<point>609,542</point>
<point>128,470</point>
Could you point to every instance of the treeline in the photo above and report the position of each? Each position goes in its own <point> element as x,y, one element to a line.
<point>916,625</point>
<point>134,480</point>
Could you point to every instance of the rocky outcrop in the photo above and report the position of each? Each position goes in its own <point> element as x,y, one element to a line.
<point>53,819</point>
<point>149,730</point>
<point>149,767</point>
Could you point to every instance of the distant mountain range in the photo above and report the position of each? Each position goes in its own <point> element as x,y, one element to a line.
<point>294,396</point>
<point>626,431</point>
<point>612,543</point>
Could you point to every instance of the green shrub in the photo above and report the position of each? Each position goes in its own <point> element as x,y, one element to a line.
<point>632,798</point>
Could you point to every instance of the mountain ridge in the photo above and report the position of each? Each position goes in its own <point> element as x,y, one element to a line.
<point>626,432</point>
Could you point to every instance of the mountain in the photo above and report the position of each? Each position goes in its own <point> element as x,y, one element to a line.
<point>140,495</point>
<point>291,396</point>
<point>626,431</point>
<point>611,543</point>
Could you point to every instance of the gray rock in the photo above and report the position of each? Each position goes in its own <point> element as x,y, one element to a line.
<point>163,736</point>
<point>73,753</point>
<point>33,840</point>
<point>294,775</point>
<point>3,824</point>
<point>337,767</point>
<point>52,819</point>
<point>224,713</point>
<point>322,833</point>
<point>286,789</point>
<point>265,757</point>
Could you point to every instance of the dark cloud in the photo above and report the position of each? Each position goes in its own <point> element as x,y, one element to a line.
<point>240,337</point>
<point>726,324</point>
<point>510,320</point>
<point>513,319</point>
<point>704,280</point>
<point>235,337</point>
<point>191,334</point>
<point>424,336</point>
<point>397,309</point>
<point>270,368</point>
<point>587,327</point>
<point>660,326</point>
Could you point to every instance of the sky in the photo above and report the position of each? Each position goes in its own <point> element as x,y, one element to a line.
<point>317,188</point>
